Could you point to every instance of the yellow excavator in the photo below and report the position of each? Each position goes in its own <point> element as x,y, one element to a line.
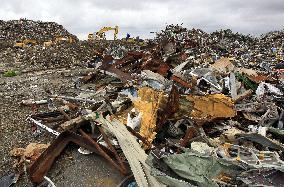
<point>100,35</point>
<point>58,39</point>
<point>67,39</point>
<point>134,41</point>
<point>29,42</point>
<point>25,43</point>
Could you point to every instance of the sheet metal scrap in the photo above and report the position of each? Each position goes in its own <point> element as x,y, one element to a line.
<point>212,106</point>
<point>223,65</point>
<point>270,116</point>
<point>253,106</point>
<point>154,80</point>
<point>233,87</point>
<point>243,95</point>
<point>125,77</point>
<point>262,177</point>
<point>230,135</point>
<point>108,65</point>
<point>266,87</point>
<point>258,78</point>
<point>130,59</point>
<point>250,156</point>
<point>201,170</point>
<point>149,102</point>
<point>120,165</point>
<point>40,167</point>
<point>261,140</point>
<point>172,107</point>
<point>201,147</point>
<point>163,173</point>
<point>207,75</point>
<point>190,133</point>
<point>277,133</point>
<point>182,82</point>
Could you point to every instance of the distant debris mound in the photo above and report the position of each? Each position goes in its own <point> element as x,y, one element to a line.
<point>36,30</point>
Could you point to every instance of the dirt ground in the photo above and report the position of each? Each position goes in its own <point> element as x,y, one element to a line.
<point>71,169</point>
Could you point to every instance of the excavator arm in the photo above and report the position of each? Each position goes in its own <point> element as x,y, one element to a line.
<point>101,33</point>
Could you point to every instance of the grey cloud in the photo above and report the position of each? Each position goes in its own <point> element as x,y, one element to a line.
<point>140,17</point>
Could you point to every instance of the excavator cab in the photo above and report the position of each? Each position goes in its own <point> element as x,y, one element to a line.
<point>91,37</point>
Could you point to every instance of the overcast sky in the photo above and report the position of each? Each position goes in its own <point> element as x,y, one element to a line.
<point>140,17</point>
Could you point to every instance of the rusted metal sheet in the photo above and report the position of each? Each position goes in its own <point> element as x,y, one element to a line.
<point>172,107</point>
<point>223,65</point>
<point>244,95</point>
<point>149,103</point>
<point>109,66</point>
<point>163,69</point>
<point>190,133</point>
<point>121,167</point>
<point>212,106</point>
<point>73,123</point>
<point>125,77</point>
<point>182,82</point>
<point>130,57</point>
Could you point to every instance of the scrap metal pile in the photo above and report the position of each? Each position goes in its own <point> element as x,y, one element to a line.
<point>28,29</point>
<point>190,109</point>
<point>47,45</point>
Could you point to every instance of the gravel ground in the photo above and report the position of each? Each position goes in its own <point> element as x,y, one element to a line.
<point>72,168</point>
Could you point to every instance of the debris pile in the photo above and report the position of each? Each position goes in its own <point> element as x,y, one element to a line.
<point>28,45</point>
<point>189,109</point>
<point>28,29</point>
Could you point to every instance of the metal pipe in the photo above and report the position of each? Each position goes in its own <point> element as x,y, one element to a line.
<point>43,126</point>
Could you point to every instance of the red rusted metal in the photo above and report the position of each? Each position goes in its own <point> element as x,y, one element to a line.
<point>171,108</point>
<point>40,167</point>
<point>182,82</point>
<point>102,152</point>
<point>190,133</point>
